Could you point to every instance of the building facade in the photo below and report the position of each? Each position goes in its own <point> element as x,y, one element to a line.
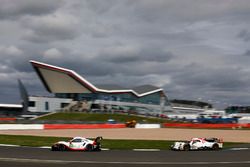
<point>67,84</point>
<point>47,104</point>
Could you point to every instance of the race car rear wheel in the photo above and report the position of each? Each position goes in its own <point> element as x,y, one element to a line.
<point>54,148</point>
<point>186,147</point>
<point>62,148</point>
<point>89,147</point>
<point>215,147</point>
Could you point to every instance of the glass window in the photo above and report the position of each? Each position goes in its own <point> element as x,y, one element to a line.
<point>77,140</point>
<point>64,105</point>
<point>32,103</point>
<point>46,105</point>
<point>196,141</point>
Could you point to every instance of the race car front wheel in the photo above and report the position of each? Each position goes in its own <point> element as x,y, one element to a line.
<point>186,148</point>
<point>215,147</point>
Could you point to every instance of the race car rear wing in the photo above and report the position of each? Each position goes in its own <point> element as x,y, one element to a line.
<point>98,140</point>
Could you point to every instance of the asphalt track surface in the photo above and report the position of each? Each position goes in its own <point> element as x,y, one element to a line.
<point>40,157</point>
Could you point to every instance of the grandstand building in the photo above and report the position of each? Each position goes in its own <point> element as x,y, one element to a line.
<point>67,84</point>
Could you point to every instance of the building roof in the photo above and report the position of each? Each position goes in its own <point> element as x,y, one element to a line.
<point>110,87</point>
<point>145,88</point>
<point>61,80</point>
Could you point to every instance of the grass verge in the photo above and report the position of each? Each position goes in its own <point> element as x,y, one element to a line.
<point>100,117</point>
<point>36,141</point>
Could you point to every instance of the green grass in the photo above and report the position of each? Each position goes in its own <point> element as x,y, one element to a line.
<point>36,141</point>
<point>98,117</point>
<point>136,144</point>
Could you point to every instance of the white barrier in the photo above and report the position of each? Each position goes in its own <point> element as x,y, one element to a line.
<point>20,126</point>
<point>244,120</point>
<point>147,126</point>
<point>41,126</point>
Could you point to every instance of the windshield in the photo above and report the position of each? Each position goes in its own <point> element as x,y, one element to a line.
<point>76,140</point>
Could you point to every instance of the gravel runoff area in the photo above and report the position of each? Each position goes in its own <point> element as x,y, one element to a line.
<point>140,134</point>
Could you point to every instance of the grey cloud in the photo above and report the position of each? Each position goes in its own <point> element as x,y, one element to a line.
<point>223,84</point>
<point>50,28</point>
<point>188,11</point>
<point>146,61</point>
<point>16,65</point>
<point>98,66</point>
<point>145,54</point>
<point>17,8</point>
<point>222,78</point>
<point>84,67</point>
<point>16,59</point>
<point>247,53</point>
<point>11,56</point>
<point>245,35</point>
<point>99,7</point>
<point>47,35</point>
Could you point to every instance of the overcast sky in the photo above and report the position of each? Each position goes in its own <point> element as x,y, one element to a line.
<point>194,49</point>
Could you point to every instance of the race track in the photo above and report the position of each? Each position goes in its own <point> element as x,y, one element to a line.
<point>40,157</point>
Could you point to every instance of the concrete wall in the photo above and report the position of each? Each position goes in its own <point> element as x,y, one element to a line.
<point>54,104</point>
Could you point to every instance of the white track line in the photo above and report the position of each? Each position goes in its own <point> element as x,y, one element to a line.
<point>9,145</point>
<point>237,149</point>
<point>47,147</point>
<point>105,149</point>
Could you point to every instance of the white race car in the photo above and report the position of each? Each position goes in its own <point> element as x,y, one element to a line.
<point>78,144</point>
<point>198,144</point>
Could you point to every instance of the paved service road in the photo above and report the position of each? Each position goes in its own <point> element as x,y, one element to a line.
<point>143,134</point>
<point>37,157</point>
